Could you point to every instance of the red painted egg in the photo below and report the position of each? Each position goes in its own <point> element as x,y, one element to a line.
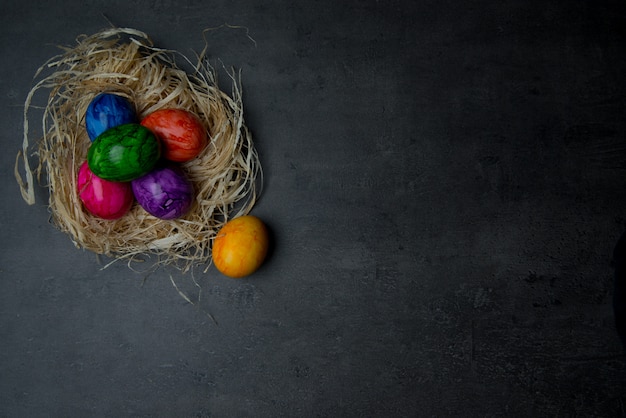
<point>103,198</point>
<point>181,133</point>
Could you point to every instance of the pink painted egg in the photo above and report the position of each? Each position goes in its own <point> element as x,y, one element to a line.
<point>103,198</point>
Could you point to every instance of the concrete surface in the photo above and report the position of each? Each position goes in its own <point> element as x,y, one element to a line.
<point>445,183</point>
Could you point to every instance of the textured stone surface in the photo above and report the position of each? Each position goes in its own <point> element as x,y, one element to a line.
<point>444,183</point>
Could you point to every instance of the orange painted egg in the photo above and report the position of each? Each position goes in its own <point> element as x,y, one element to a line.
<point>181,133</point>
<point>240,246</point>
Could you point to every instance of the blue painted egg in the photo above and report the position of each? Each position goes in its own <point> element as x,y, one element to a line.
<point>108,110</point>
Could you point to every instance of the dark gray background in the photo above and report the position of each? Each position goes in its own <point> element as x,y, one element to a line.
<point>445,181</point>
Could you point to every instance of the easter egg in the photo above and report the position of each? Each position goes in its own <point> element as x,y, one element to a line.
<point>164,192</point>
<point>124,153</point>
<point>108,110</point>
<point>240,246</point>
<point>181,132</point>
<point>104,199</point>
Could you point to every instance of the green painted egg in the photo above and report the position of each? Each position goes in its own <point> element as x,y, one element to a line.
<point>124,153</point>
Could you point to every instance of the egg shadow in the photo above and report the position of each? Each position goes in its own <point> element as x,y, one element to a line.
<point>271,245</point>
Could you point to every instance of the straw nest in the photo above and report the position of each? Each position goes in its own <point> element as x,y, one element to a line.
<point>226,175</point>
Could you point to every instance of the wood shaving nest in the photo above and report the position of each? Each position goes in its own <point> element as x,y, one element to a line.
<point>227,175</point>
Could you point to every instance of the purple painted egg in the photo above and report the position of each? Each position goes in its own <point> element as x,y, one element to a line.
<point>164,192</point>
